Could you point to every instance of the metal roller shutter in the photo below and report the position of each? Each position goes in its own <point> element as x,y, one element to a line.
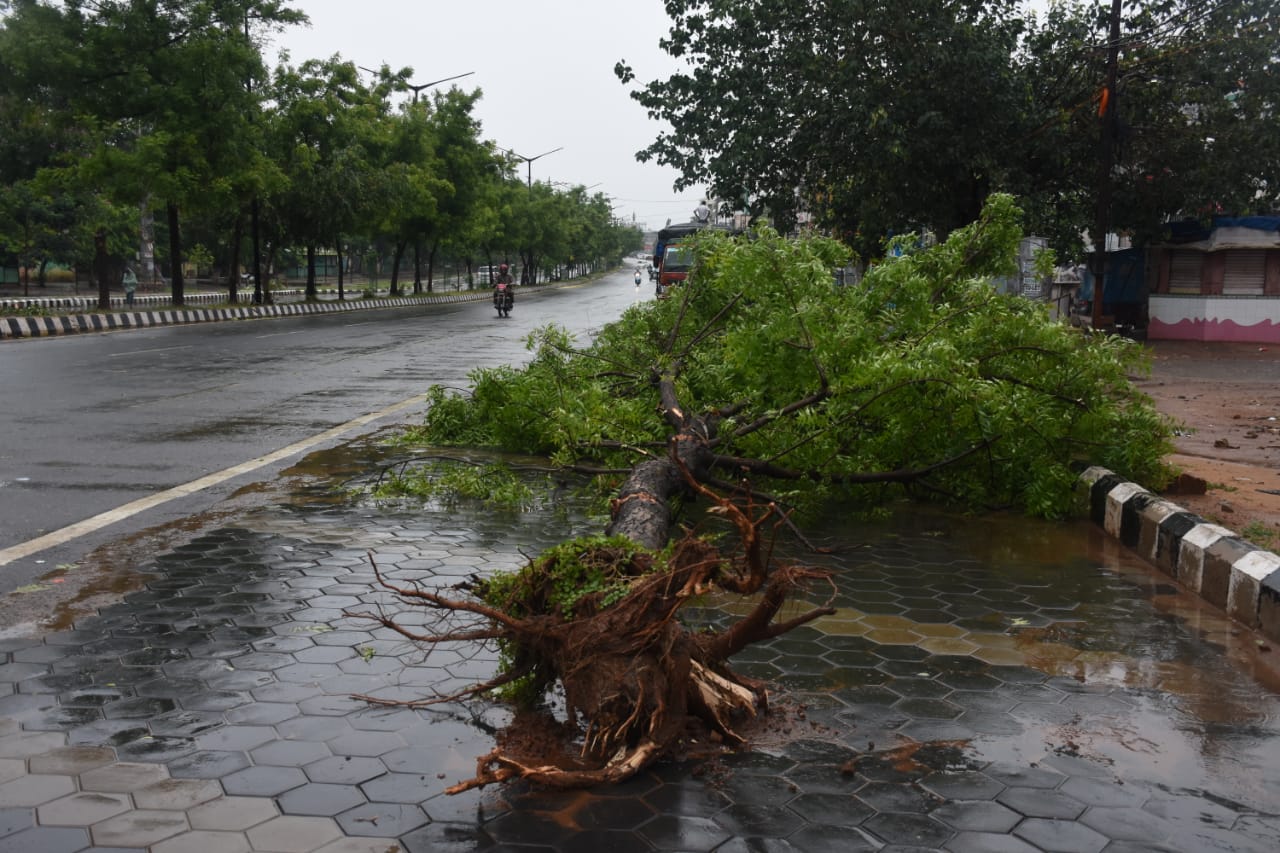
<point>1184,271</point>
<point>1245,272</point>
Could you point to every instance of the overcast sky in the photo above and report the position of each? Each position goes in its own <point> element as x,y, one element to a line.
<point>546,70</point>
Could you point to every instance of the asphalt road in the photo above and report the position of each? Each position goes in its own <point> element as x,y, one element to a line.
<point>96,423</point>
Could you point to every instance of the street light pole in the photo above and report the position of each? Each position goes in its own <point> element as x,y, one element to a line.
<point>418,87</point>
<point>529,161</point>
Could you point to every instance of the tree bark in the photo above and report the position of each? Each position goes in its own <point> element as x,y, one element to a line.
<point>176,286</point>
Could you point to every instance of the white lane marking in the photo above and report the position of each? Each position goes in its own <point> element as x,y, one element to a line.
<point>153,349</point>
<point>282,334</point>
<point>97,522</point>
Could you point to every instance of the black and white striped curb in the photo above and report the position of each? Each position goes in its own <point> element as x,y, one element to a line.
<point>1220,566</point>
<point>88,303</point>
<point>41,327</point>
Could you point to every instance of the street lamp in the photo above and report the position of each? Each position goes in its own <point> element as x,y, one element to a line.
<point>529,161</point>
<point>418,87</point>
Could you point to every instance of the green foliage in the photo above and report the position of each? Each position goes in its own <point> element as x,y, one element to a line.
<point>491,484</point>
<point>1261,535</point>
<point>923,364</point>
<point>591,570</point>
<point>882,118</point>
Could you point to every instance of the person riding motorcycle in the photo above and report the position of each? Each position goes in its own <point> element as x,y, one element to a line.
<point>503,294</point>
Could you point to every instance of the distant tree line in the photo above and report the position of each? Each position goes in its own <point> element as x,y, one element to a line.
<point>131,123</point>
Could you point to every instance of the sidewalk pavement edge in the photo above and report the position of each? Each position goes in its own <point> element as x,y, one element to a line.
<point>1211,561</point>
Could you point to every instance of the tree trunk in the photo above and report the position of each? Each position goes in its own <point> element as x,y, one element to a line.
<point>397,256</point>
<point>175,256</point>
<point>337,242</point>
<point>233,260</point>
<point>311,273</point>
<point>255,223</point>
<point>102,270</point>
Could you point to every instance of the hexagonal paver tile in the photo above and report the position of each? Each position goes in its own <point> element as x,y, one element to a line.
<point>208,764</point>
<point>977,816</point>
<point>315,798</point>
<point>12,768</point>
<point>139,828</point>
<point>1099,792</point>
<point>176,794</point>
<point>759,821</point>
<point>263,781</point>
<point>236,737</point>
<point>949,645</point>
<point>46,839</point>
<point>365,845</point>
<point>370,743</point>
<point>384,820</point>
<point>401,788</point>
<point>911,830</point>
<point>122,777</point>
<point>15,820</point>
<point>35,790</point>
<point>294,834</point>
<point>71,760</point>
<point>1130,824</point>
<point>345,769</point>
<point>831,809</point>
<point>1034,802</point>
<point>986,842</point>
<point>83,809</point>
<point>232,813</point>
<point>1060,836</point>
<point>204,841</point>
<point>290,753</point>
<point>26,745</point>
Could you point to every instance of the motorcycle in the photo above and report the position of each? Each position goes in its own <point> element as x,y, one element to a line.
<point>503,298</point>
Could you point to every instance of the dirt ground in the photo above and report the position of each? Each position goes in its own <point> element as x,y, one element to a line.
<point>1227,396</point>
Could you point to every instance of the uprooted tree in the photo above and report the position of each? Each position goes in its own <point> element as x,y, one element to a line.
<point>759,388</point>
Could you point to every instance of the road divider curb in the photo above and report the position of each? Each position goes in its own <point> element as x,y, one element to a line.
<point>43,327</point>
<point>1211,561</point>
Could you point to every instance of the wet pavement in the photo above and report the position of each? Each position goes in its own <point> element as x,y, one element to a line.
<point>985,685</point>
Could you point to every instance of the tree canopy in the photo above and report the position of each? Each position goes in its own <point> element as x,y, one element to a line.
<point>879,119</point>
<point>923,376</point>
<point>112,110</point>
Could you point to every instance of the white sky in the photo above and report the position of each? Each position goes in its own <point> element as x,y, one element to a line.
<point>546,70</point>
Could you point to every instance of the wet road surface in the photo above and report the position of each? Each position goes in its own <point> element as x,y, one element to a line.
<point>986,685</point>
<point>93,422</point>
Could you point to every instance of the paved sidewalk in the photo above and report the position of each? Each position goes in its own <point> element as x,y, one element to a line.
<point>985,686</point>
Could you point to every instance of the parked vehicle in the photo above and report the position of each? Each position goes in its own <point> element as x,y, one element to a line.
<point>673,258</point>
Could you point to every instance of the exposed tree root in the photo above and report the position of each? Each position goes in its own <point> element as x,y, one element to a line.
<point>635,681</point>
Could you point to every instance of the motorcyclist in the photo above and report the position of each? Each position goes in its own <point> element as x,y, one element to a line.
<point>503,293</point>
<point>637,277</point>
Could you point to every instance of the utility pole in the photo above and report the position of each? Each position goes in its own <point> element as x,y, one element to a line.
<point>1106,161</point>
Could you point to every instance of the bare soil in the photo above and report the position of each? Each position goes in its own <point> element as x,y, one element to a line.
<point>1227,397</point>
